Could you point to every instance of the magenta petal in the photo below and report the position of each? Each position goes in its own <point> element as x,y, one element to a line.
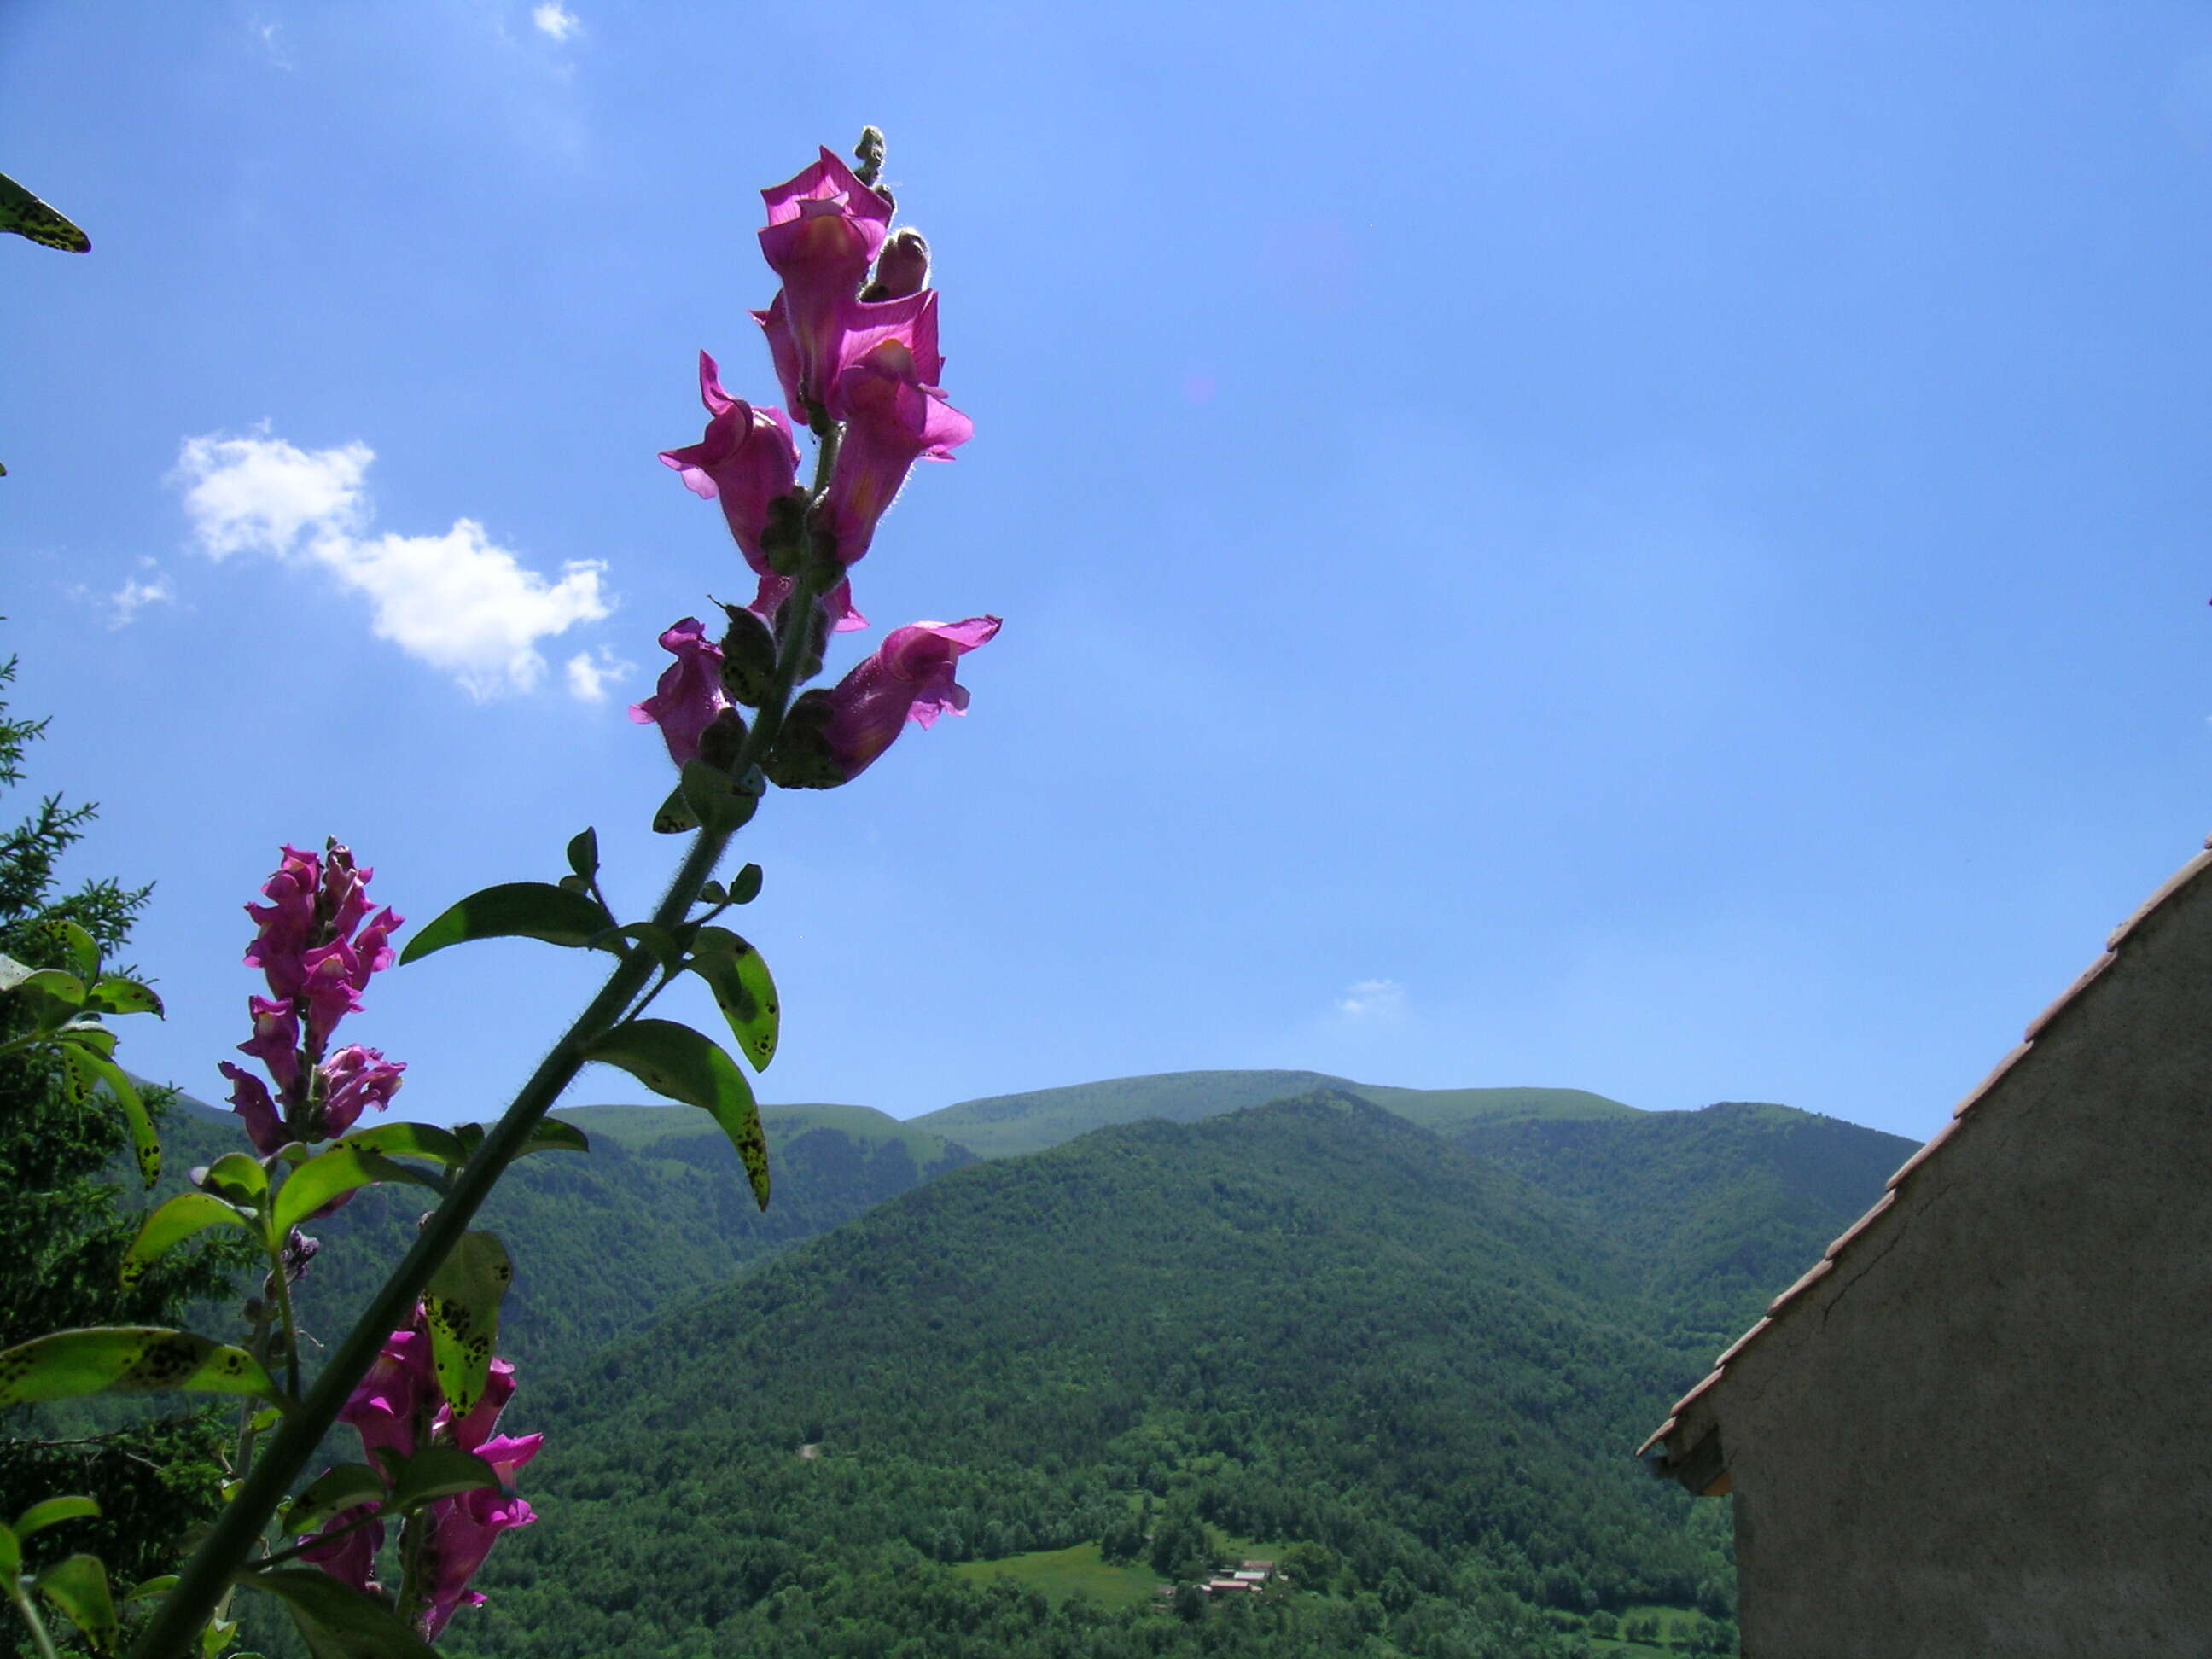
<point>249,1098</point>
<point>910,677</point>
<point>689,694</point>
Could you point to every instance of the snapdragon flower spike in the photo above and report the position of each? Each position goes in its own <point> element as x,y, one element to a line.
<point>823,229</point>
<point>459,1532</point>
<point>831,736</point>
<point>689,694</point>
<point>746,460</point>
<point>893,416</point>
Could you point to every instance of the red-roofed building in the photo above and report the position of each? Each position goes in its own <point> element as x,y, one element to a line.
<point>1982,1423</point>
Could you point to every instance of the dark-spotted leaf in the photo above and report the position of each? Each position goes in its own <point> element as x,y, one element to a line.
<point>516,910</point>
<point>743,990</point>
<point>87,1067</point>
<point>322,1177</point>
<point>127,1359</point>
<point>185,1216</point>
<point>410,1140</point>
<point>336,1620</point>
<point>673,816</point>
<point>78,1586</point>
<point>52,1512</point>
<point>714,798</point>
<point>117,995</point>
<point>53,984</point>
<point>345,1488</point>
<point>461,1306</point>
<point>438,1472</point>
<point>675,1060</point>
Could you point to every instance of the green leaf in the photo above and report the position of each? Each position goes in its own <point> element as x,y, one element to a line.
<point>410,1140</point>
<point>127,1359</point>
<point>345,1488</point>
<point>461,1306</point>
<point>183,1217</point>
<point>516,909</point>
<point>78,1587</point>
<point>11,1561</point>
<point>87,1068</point>
<point>714,798</point>
<point>743,990</point>
<point>117,995</point>
<point>584,853</point>
<point>548,1134</point>
<point>746,888</point>
<point>713,892</point>
<point>659,943</point>
<point>336,1620</point>
<point>54,983</point>
<point>54,1510</point>
<point>160,1586</point>
<point>675,1060</point>
<point>438,1472</point>
<point>673,816</point>
<point>81,948</point>
<point>239,1178</point>
<point>92,1035</point>
<point>341,1170</point>
<point>217,1637</point>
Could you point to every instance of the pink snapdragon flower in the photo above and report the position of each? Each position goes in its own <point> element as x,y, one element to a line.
<point>459,1532</point>
<point>689,694</point>
<point>895,414</point>
<point>350,1559</point>
<point>824,228</point>
<point>746,460</point>
<point>390,1407</point>
<point>318,945</point>
<point>832,737</point>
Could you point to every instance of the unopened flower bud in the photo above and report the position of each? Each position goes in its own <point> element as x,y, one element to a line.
<point>748,657</point>
<point>822,541</point>
<point>869,153</point>
<point>722,739</point>
<point>902,269</point>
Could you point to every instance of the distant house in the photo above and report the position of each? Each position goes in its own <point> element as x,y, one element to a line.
<point>1982,1423</point>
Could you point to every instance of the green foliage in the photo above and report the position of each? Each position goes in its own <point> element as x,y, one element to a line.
<point>515,909</point>
<point>66,1223</point>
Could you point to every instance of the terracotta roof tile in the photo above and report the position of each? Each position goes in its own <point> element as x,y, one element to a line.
<point>1844,1238</point>
<point>1812,1276</point>
<point>2090,975</point>
<point>2018,1052</point>
<point>1927,1150</point>
<point>2196,867</point>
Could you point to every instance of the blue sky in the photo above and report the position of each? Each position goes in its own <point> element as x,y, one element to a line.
<point>1652,549</point>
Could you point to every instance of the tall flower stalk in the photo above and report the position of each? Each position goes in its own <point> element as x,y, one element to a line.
<point>853,337</point>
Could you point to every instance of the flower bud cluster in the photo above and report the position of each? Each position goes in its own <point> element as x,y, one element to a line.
<point>317,945</point>
<point>853,336</point>
<point>397,1410</point>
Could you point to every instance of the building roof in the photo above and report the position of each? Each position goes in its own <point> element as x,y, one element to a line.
<point>1674,1447</point>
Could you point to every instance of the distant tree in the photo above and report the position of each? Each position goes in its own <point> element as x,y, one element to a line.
<point>1189,1603</point>
<point>63,1228</point>
<point>1311,1567</point>
<point>1123,1541</point>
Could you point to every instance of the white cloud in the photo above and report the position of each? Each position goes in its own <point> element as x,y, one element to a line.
<point>589,676</point>
<point>124,604</point>
<point>265,32</point>
<point>457,601</point>
<point>1373,998</point>
<point>554,20</point>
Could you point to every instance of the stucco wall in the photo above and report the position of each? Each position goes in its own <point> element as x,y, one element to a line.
<point>1988,1430</point>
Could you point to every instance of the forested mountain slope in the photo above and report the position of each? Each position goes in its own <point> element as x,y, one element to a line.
<point>1712,1211</point>
<point>1310,1322</point>
<point>1005,1124</point>
<point>602,1240</point>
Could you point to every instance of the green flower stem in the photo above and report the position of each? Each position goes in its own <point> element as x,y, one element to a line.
<point>283,1288</point>
<point>29,1609</point>
<point>172,1632</point>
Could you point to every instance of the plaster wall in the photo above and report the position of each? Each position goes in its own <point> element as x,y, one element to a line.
<point>1988,1430</point>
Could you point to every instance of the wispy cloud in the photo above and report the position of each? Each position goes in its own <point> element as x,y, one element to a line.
<point>590,674</point>
<point>1374,999</point>
<point>124,604</point>
<point>457,601</point>
<point>264,33</point>
<point>555,21</point>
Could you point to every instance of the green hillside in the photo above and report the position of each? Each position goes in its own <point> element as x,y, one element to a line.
<point>657,1210</point>
<point>1003,1125</point>
<point>1710,1212</point>
<point>1312,1323</point>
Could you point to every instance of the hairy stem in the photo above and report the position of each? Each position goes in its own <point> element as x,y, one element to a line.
<point>29,1609</point>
